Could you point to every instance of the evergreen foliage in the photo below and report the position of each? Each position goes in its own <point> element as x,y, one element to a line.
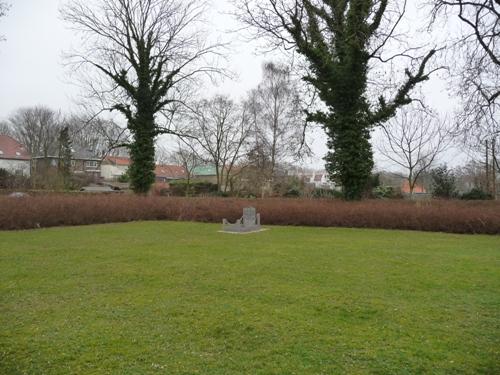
<point>443,182</point>
<point>65,156</point>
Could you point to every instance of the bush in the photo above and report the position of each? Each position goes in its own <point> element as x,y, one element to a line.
<point>292,193</point>
<point>384,192</point>
<point>79,209</point>
<point>326,193</point>
<point>12,181</point>
<point>443,183</point>
<point>124,178</point>
<point>476,194</point>
<point>181,188</point>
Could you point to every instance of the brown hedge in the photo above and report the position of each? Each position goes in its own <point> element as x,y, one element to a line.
<point>442,216</point>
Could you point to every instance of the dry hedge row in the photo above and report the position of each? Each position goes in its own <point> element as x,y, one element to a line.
<point>442,216</point>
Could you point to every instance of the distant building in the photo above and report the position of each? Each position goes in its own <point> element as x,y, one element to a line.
<point>319,179</point>
<point>166,173</point>
<point>112,167</point>
<point>417,189</point>
<point>14,157</point>
<point>83,163</point>
<point>205,173</point>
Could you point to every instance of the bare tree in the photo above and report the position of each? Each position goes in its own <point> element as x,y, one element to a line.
<point>475,69</point>
<point>414,139</point>
<point>37,128</point>
<point>341,42</point>
<point>279,120</point>
<point>5,128</point>
<point>141,54</point>
<point>96,135</point>
<point>187,157</point>
<point>221,128</point>
<point>4,7</point>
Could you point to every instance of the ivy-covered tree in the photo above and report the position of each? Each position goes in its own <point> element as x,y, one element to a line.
<point>138,57</point>
<point>339,40</point>
<point>65,156</point>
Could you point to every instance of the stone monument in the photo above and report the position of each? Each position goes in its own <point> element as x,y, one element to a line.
<point>249,222</point>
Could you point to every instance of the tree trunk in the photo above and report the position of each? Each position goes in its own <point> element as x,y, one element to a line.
<point>142,154</point>
<point>351,160</point>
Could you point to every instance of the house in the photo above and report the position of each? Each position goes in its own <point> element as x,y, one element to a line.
<point>417,189</point>
<point>205,173</point>
<point>319,179</point>
<point>14,157</point>
<point>112,167</point>
<point>166,173</point>
<point>83,163</point>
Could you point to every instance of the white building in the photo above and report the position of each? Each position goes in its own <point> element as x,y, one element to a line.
<point>321,180</point>
<point>113,167</point>
<point>14,157</point>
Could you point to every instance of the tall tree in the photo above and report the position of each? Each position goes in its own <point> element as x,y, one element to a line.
<point>37,128</point>
<point>340,40</point>
<point>97,135</point>
<point>275,108</point>
<point>221,128</point>
<point>144,52</point>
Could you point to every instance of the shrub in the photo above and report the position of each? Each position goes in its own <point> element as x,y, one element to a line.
<point>12,181</point>
<point>326,193</point>
<point>79,209</point>
<point>181,188</point>
<point>476,194</point>
<point>443,183</point>
<point>124,178</point>
<point>384,192</point>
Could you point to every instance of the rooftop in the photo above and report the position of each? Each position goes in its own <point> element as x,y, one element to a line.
<point>12,149</point>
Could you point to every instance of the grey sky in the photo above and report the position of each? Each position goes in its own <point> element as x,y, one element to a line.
<point>32,71</point>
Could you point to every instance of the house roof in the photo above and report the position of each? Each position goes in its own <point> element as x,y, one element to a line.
<point>170,171</point>
<point>12,149</point>
<point>405,188</point>
<point>118,160</point>
<point>205,170</point>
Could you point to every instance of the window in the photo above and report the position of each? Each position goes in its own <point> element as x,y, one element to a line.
<point>73,163</point>
<point>91,164</point>
<point>1,152</point>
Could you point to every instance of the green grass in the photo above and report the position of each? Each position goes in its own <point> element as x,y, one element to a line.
<point>181,298</point>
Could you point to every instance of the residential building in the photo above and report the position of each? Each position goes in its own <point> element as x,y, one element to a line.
<point>166,173</point>
<point>112,167</point>
<point>14,157</point>
<point>83,163</point>
<point>319,179</point>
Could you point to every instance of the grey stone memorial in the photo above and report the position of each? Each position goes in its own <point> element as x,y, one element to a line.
<point>249,222</point>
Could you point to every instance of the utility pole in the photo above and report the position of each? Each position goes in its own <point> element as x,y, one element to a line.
<point>493,168</point>
<point>487,168</point>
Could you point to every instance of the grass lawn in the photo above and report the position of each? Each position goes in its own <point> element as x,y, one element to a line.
<point>181,298</point>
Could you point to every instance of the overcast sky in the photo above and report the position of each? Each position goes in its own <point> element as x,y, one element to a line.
<point>32,70</point>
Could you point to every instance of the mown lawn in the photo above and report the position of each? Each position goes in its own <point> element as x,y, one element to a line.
<point>181,298</point>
